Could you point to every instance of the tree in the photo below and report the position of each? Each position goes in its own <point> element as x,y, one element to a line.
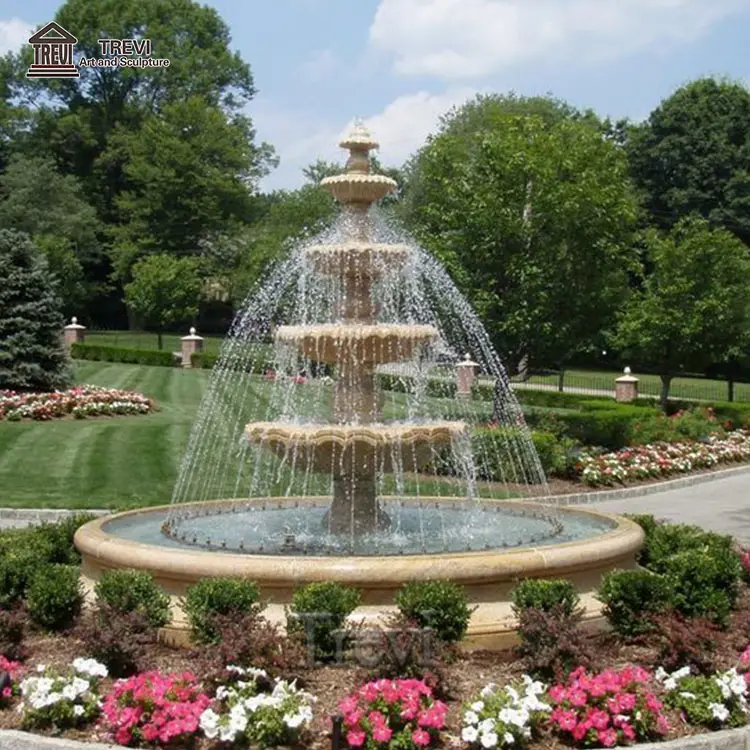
<point>533,217</point>
<point>693,309</point>
<point>32,354</point>
<point>35,198</point>
<point>692,155</point>
<point>190,173</point>
<point>164,291</point>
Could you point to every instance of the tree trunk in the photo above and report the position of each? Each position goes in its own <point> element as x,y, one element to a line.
<point>666,381</point>
<point>159,339</point>
<point>560,379</point>
<point>730,389</point>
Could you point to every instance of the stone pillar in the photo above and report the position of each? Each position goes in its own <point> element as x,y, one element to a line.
<point>466,374</point>
<point>190,345</point>
<point>626,387</point>
<point>73,333</point>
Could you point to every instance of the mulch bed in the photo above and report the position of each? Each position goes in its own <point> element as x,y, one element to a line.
<point>461,680</point>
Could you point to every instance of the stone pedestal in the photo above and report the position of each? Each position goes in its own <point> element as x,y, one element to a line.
<point>73,333</point>
<point>466,374</point>
<point>626,388</point>
<point>191,345</point>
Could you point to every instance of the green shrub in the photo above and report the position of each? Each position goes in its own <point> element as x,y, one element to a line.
<point>545,594</point>
<point>58,538</point>
<point>440,605</point>
<point>668,539</point>
<point>321,609</point>
<point>631,598</point>
<point>55,597</point>
<point>122,354</point>
<point>648,523</point>
<point>127,591</point>
<point>213,597</point>
<point>705,583</point>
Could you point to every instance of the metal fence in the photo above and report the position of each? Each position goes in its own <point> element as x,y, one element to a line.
<point>598,383</point>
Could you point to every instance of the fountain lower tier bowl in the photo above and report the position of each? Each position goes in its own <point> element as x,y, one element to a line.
<point>587,546</point>
<point>357,259</point>
<point>356,342</point>
<point>354,449</point>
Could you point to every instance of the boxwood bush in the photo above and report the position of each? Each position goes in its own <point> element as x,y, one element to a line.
<point>320,610</point>
<point>126,591</point>
<point>631,599</point>
<point>55,597</point>
<point>545,594</point>
<point>216,597</point>
<point>439,605</point>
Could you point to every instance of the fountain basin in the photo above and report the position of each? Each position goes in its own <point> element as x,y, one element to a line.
<point>488,575</point>
<point>362,343</point>
<point>357,448</point>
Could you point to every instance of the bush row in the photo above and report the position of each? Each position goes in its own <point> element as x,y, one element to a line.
<point>123,354</point>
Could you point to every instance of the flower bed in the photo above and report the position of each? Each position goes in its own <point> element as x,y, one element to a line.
<point>80,402</point>
<point>663,459</point>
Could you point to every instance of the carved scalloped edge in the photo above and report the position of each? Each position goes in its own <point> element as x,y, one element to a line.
<point>375,436</point>
<point>373,179</point>
<point>355,331</point>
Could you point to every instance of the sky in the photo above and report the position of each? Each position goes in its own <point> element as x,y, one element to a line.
<point>400,64</point>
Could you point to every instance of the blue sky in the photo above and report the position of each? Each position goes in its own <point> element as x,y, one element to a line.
<point>399,64</point>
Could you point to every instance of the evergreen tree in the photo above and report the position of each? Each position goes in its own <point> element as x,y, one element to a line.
<point>32,354</point>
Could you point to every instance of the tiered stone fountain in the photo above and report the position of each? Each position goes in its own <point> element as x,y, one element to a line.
<point>356,535</point>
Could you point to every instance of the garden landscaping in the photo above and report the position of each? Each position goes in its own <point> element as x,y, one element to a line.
<point>673,662</point>
<point>81,403</point>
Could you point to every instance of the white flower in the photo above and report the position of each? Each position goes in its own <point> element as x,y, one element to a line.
<point>508,738</point>
<point>80,686</point>
<point>41,667</point>
<point>488,725</point>
<point>471,718</point>
<point>477,706</point>
<point>488,689</point>
<point>719,711</point>
<point>489,739</point>
<point>227,733</point>
<point>685,694</point>
<point>69,693</point>
<point>469,734</point>
<point>293,720</point>
<point>78,710</point>
<point>512,692</point>
<point>209,723</point>
<point>90,667</point>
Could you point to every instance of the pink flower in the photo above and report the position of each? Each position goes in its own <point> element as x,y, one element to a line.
<point>607,737</point>
<point>381,734</point>
<point>421,738</point>
<point>661,725</point>
<point>626,702</point>
<point>356,737</point>
<point>581,730</point>
<point>599,719</point>
<point>628,731</point>
<point>653,703</point>
<point>745,657</point>
<point>557,693</point>
<point>577,697</point>
<point>567,720</point>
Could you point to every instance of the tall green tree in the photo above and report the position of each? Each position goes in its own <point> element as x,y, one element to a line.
<point>693,309</point>
<point>32,355</point>
<point>189,172</point>
<point>35,198</point>
<point>164,291</point>
<point>533,217</point>
<point>692,155</point>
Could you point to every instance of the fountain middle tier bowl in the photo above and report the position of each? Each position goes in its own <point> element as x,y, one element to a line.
<point>360,343</point>
<point>357,259</point>
<point>355,449</point>
<point>580,545</point>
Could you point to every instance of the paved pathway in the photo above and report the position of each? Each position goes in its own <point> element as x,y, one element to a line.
<point>722,505</point>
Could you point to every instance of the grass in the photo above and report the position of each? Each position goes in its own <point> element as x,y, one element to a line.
<point>103,463</point>
<point>124,461</point>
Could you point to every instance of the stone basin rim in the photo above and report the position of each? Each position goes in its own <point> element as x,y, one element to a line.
<point>371,571</point>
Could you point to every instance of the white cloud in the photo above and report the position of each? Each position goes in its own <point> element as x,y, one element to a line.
<point>456,39</point>
<point>14,33</point>
<point>400,128</point>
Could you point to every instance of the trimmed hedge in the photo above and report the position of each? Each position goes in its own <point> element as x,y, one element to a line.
<point>123,354</point>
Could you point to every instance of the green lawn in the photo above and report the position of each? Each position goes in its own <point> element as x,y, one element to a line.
<point>125,461</point>
<point>103,463</point>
